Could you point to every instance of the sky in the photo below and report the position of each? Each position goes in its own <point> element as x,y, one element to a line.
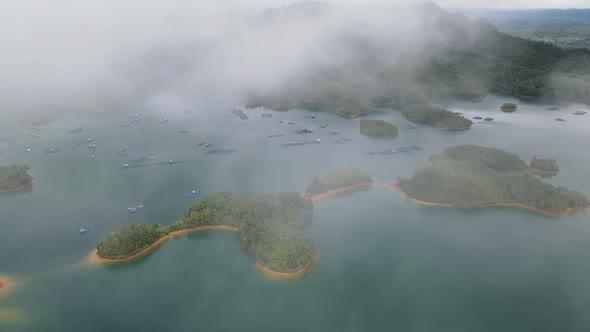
<point>512,4</point>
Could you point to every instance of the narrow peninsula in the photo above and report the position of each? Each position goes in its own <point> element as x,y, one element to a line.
<point>270,226</point>
<point>436,117</point>
<point>15,177</point>
<point>378,128</point>
<point>470,176</point>
<point>337,181</point>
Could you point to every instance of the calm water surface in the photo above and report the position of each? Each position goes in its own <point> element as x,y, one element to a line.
<point>386,264</point>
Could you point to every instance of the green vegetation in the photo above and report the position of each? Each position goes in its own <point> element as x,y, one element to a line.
<point>129,240</point>
<point>14,176</point>
<point>434,116</point>
<point>509,107</point>
<point>271,226</point>
<point>336,179</point>
<point>378,128</point>
<point>469,176</point>
<point>473,60</point>
<point>545,165</point>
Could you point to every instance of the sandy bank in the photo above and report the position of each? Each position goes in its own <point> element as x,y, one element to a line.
<point>33,180</point>
<point>318,197</point>
<point>314,259</point>
<point>424,122</point>
<point>540,171</point>
<point>93,257</point>
<point>563,212</point>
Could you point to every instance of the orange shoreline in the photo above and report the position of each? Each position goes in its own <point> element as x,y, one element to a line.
<point>33,180</point>
<point>326,194</point>
<point>93,257</point>
<point>308,265</point>
<point>540,171</point>
<point>563,212</point>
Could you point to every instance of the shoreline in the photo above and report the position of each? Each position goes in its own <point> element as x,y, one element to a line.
<point>33,180</point>
<point>563,212</point>
<point>326,194</point>
<point>540,171</point>
<point>314,258</point>
<point>378,135</point>
<point>94,257</point>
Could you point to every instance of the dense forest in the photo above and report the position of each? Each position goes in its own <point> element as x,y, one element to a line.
<point>469,175</point>
<point>271,226</point>
<point>437,117</point>
<point>545,165</point>
<point>14,176</point>
<point>378,128</point>
<point>336,179</point>
<point>471,60</point>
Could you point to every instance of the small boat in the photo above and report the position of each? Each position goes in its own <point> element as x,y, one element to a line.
<point>310,116</point>
<point>123,152</point>
<point>559,119</point>
<point>125,166</point>
<point>281,121</point>
<point>334,133</point>
<point>92,146</point>
<point>208,145</point>
<point>291,123</point>
<point>304,131</point>
<point>137,208</point>
<point>28,150</point>
<point>164,120</point>
<point>489,119</point>
<point>477,118</point>
<point>81,230</point>
<point>200,143</point>
<point>346,139</point>
<point>552,108</point>
<point>337,142</point>
<point>277,135</point>
<point>33,135</point>
<point>580,113</point>
<point>52,150</point>
<point>93,156</point>
<point>409,126</point>
<point>125,124</point>
<point>220,151</point>
<point>90,139</point>
<point>191,194</point>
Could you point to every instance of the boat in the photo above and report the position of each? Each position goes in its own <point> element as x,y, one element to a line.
<point>208,145</point>
<point>220,151</point>
<point>489,119</point>
<point>281,121</point>
<point>90,139</point>
<point>191,194</point>
<point>580,113</point>
<point>93,156</point>
<point>337,142</point>
<point>52,150</point>
<point>81,230</point>
<point>334,133</point>
<point>142,159</point>
<point>477,118</point>
<point>291,123</point>
<point>409,126</point>
<point>200,143</point>
<point>310,116</point>
<point>29,150</point>
<point>552,108</point>
<point>346,139</point>
<point>125,124</point>
<point>164,120</point>
<point>123,152</point>
<point>559,119</point>
<point>125,166</point>
<point>78,130</point>
<point>137,208</point>
<point>92,146</point>
<point>304,131</point>
<point>277,135</point>
<point>33,135</point>
<point>323,126</point>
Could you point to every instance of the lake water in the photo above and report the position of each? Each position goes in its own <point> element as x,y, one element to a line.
<point>386,264</point>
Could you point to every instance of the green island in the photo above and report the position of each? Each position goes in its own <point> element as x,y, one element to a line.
<point>437,117</point>
<point>378,128</point>
<point>509,107</point>
<point>544,165</point>
<point>14,177</point>
<point>470,176</point>
<point>270,226</point>
<point>338,180</point>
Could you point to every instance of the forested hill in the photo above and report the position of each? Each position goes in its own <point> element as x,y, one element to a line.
<point>446,55</point>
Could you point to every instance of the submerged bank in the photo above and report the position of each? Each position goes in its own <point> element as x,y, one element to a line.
<point>301,271</point>
<point>33,180</point>
<point>560,213</point>
<point>318,197</point>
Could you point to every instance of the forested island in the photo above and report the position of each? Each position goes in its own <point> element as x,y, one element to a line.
<point>270,226</point>
<point>378,128</point>
<point>471,60</point>
<point>470,176</point>
<point>437,117</point>
<point>547,166</point>
<point>509,107</point>
<point>14,177</point>
<point>337,181</point>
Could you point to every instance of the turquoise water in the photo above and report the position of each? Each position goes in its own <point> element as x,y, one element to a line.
<point>386,264</point>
